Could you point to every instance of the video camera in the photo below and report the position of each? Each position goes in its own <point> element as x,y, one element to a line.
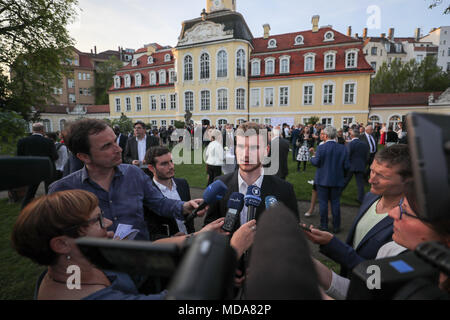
<point>415,275</point>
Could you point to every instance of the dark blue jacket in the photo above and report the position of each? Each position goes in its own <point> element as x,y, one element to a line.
<point>331,160</point>
<point>358,153</point>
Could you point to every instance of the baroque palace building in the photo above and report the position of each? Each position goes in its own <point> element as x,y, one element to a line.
<point>222,74</point>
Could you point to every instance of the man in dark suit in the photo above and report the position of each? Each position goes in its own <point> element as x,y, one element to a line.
<point>39,146</point>
<point>372,227</point>
<point>331,160</point>
<point>121,140</point>
<point>367,137</point>
<point>295,135</point>
<point>138,145</point>
<point>279,147</point>
<point>160,164</point>
<point>358,153</point>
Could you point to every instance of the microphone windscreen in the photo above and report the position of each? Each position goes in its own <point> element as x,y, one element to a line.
<point>253,196</point>
<point>271,201</point>
<point>214,192</point>
<point>280,265</point>
<point>236,201</point>
<point>24,171</point>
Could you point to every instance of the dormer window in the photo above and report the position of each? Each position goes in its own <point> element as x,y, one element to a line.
<point>269,66</point>
<point>351,58</point>
<point>127,81</point>
<point>272,43</point>
<point>167,58</point>
<point>284,64</point>
<point>134,62</point>
<point>330,60</point>
<point>298,40</point>
<point>162,77</point>
<point>138,79</point>
<point>150,60</point>
<point>309,62</point>
<point>329,36</point>
<point>152,76</point>
<point>116,82</point>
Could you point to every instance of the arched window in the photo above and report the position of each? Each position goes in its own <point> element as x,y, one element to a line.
<point>47,125</point>
<point>222,122</point>
<point>162,77</point>
<point>116,82</point>
<point>256,68</point>
<point>204,66</point>
<point>298,40</point>
<point>330,61</point>
<point>240,63</point>
<point>62,124</point>
<point>127,80</point>
<point>138,79</point>
<point>270,66</point>
<point>351,59</point>
<point>152,78</point>
<point>222,64</point>
<point>188,74</point>
<point>393,121</point>
<point>373,120</point>
<point>284,64</point>
<point>309,63</point>
<point>150,60</point>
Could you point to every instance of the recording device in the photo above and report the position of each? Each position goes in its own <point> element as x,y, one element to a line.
<point>206,271</point>
<point>271,202</point>
<point>24,171</point>
<point>214,192</point>
<point>131,256</point>
<point>235,205</point>
<point>252,200</point>
<point>413,275</point>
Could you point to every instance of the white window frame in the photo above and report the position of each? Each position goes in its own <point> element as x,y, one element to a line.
<point>329,54</point>
<point>154,123</point>
<point>370,121</point>
<point>221,63</point>
<point>191,72</point>
<point>347,60</point>
<point>312,94</point>
<point>61,127</point>
<point>298,42</point>
<point>328,83</point>
<point>354,92</point>
<point>167,57</point>
<point>226,100</point>
<point>71,83</point>
<point>137,79</point>
<point>288,60</point>
<point>325,39</point>
<point>347,117</point>
<point>272,43</point>
<point>220,122</point>
<point>173,101</point>
<point>127,78</point>
<point>162,102</point>
<point>238,121</point>
<point>281,103</point>
<point>191,108</point>
<point>266,64</point>
<point>252,64</point>
<point>205,102</point>
<point>134,63</point>
<point>388,122</point>
<point>162,76</point>
<point>253,103</point>
<point>172,75</point>
<point>306,56</point>
<point>205,66</point>
<point>72,98</point>
<point>138,102</point>
<point>153,103</point>
<point>128,106</point>
<point>152,78</point>
<point>49,127</point>
<point>116,82</point>
<point>117,103</point>
<point>243,99</point>
<point>327,117</point>
<point>243,63</point>
<point>150,60</point>
<point>163,123</point>
<point>266,96</point>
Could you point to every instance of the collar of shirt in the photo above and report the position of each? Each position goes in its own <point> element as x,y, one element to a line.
<point>330,140</point>
<point>163,188</point>
<point>355,139</point>
<point>243,186</point>
<point>37,134</point>
<point>85,174</point>
<point>143,139</point>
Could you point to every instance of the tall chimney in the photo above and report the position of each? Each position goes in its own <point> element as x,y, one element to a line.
<point>383,35</point>
<point>391,34</point>
<point>417,34</point>
<point>349,31</point>
<point>315,23</point>
<point>95,50</point>
<point>365,33</point>
<point>356,35</point>
<point>266,27</point>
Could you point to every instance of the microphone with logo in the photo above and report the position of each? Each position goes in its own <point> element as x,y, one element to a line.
<point>214,192</point>
<point>271,202</point>
<point>252,200</point>
<point>235,205</point>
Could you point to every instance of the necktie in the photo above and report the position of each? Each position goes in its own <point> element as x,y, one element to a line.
<point>372,144</point>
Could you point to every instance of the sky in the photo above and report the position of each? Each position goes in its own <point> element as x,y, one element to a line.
<point>108,24</point>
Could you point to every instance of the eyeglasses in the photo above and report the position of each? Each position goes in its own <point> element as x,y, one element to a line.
<point>100,218</point>
<point>403,212</point>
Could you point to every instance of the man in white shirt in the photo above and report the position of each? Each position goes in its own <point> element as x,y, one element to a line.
<point>214,156</point>
<point>138,145</point>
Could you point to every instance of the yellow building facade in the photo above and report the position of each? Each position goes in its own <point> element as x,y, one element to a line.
<point>222,74</point>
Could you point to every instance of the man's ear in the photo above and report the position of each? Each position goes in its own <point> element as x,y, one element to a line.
<point>152,169</point>
<point>61,245</point>
<point>85,158</point>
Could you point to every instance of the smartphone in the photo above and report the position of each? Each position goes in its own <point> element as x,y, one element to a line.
<point>305,228</point>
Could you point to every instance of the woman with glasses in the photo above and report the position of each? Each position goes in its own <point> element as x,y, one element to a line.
<point>410,229</point>
<point>46,231</point>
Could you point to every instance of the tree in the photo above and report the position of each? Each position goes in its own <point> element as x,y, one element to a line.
<point>12,128</point>
<point>104,79</point>
<point>125,124</point>
<point>312,120</point>
<point>410,77</point>
<point>34,42</point>
<point>435,3</point>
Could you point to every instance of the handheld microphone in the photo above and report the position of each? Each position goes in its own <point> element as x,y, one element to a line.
<point>235,205</point>
<point>214,192</point>
<point>252,200</point>
<point>271,202</point>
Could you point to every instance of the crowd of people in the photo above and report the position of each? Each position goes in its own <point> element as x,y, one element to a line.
<point>121,180</point>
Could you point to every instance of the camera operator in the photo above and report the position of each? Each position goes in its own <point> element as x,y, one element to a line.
<point>47,228</point>
<point>409,231</point>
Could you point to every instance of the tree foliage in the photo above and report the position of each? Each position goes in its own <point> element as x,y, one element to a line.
<point>104,79</point>
<point>125,124</point>
<point>435,3</point>
<point>12,128</point>
<point>34,43</point>
<point>410,77</point>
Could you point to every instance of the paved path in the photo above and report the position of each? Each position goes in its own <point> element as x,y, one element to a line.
<point>348,213</point>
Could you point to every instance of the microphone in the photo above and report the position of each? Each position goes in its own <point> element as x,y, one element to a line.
<point>292,272</point>
<point>214,192</point>
<point>235,205</point>
<point>252,200</point>
<point>271,202</point>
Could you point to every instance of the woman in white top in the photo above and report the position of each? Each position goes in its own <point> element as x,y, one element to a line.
<point>410,230</point>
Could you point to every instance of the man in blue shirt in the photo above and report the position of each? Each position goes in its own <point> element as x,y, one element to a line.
<point>122,189</point>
